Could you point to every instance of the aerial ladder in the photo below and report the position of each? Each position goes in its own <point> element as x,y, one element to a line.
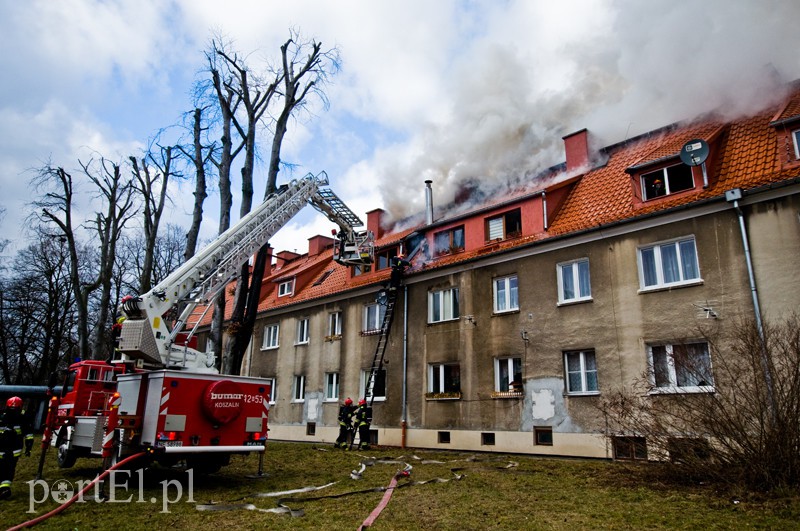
<point>147,335</point>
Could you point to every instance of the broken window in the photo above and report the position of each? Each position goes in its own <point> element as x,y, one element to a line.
<point>666,181</point>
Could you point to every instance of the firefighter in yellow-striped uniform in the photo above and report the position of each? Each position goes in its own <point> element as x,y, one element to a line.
<point>362,418</point>
<point>15,434</point>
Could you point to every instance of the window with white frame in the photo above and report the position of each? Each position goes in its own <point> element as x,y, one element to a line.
<point>331,386</point>
<point>507,374</point>
<point>573,281</point>
<point>669,264</point>
<point>796,138</point>
<point>285,288</point>
<point>444,378</point>
<point>443,305</point>
<point>273,386</point>
<point>335,324</point>
<point>666,181</point>
<point>373,316</point>
<point>270,336</point>
<point>302,331</point>
<point>682,367</point>
<point>299,388</point>
<point>580,367</point>
<point>506,297</point>
<point>378,385</point>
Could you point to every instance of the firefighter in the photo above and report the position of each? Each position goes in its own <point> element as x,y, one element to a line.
<point>14,434</point>
<point>345,424</point>
<point>363,419</point>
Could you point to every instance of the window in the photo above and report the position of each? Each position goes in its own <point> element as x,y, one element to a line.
<point>581,369</point>
<point>335,324</point>
<point>573,281</point>
<point>505,294</point>
<point>487,439</point>
<point>543,436</point>
<point>443,437</point>
<point>361,269</point>
<point>443,305</point>
<point>331,386</point>
<point>629,448</point>
<point>273,386</point>
<point>373,317</point>
<point>444,378</point>
<point>506,225</point>
<point>285,288</point>
<point>667,181</point>
<point>378,386</point>
<point>270,336</point>
<point>668,264</point>
<point>681,367</point>
<point>507,374</point>
<point>383,259</point>
<point>299,391</point>
<point>449,241</point>
<point>796,138</point>
<point>311,428</point>
<point>302,331</point>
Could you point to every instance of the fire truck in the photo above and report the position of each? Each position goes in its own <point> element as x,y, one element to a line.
<point>159,393</point>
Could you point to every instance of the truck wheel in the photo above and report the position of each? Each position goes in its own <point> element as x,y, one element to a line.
<point>65,456</point>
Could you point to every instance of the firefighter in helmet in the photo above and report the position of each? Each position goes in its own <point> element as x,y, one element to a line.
<point>15,433</point>
<point>345,423</point>
<point>363,418</point>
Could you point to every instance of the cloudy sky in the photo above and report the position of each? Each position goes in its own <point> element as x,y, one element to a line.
<point>453,91</point>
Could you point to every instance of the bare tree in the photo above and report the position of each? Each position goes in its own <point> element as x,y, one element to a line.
<point>306,69</point>
<point>200,156</point>
<point>153,201</point>
<point>57,204</point>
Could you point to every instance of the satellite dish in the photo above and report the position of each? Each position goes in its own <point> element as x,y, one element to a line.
<point>694,152</point>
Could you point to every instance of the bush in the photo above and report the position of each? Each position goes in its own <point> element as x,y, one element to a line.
<point>745,430</point>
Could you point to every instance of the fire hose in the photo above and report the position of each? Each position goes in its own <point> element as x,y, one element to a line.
<point>39,519</point>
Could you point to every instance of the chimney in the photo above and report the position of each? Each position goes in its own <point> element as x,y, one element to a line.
<point>285,257</point>
<point>318,244</point>
<point>374,222</point>
<point>576,146</point>
<point>428,202</point>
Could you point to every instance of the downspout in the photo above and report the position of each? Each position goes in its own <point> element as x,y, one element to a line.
<point>544,209</point>
<point>733,196</point>
<point>403,416</point>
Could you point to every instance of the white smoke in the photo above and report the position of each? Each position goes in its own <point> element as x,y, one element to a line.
<point>617,68</point>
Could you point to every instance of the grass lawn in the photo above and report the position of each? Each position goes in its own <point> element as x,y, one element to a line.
<point>494,492</point>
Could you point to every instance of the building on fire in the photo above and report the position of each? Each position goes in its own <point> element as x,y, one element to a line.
<point>520,311</point>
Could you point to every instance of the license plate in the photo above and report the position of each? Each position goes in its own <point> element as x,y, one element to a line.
<point>169,443</point>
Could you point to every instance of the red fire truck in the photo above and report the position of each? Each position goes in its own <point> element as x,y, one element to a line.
<point>162,395</point>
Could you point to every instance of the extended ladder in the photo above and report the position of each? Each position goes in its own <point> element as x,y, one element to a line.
<point>380,349</point>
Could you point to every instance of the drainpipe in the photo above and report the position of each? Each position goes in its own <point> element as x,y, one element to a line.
<point>403,416</point>
<point>733,196</point>
<point>544,209</point>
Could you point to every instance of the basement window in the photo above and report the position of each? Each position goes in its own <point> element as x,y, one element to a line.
<point>666,181</point>
<point>487,439</point>
<point>311,428</point>
<point>444,437</point>
<point>629,448</point>
<point>504,226</point>
<point>543,436</point>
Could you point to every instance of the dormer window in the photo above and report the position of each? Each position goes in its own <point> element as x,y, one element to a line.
<point>506,225</point>
<point>666,181</point>
<point>796,139</point>
<point>449,241</point>
<point>384,258</point>
<point>286,288</point>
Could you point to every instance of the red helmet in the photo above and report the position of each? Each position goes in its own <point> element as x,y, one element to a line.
<point>14,402</point>
<point>362,402</point>
<point>348,402</point>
